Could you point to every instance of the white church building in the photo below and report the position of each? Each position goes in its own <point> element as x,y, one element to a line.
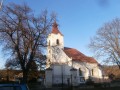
<point>68,65</point>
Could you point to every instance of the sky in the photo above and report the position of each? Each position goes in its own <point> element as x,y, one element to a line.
<point>78,19</point>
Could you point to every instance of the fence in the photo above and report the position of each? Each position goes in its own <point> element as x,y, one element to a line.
<point>66,80</point>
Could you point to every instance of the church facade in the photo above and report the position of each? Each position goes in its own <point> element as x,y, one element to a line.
<point>68,65</point>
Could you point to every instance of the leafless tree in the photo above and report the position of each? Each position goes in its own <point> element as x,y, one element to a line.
<point>23,34</point>
<point>1,2</point>
<point>106,43</point>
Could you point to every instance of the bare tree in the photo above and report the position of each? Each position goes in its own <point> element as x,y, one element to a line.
<point>23,35</point>
<point>106,43</point>
<point>1,2</point>
<point>12,63</point>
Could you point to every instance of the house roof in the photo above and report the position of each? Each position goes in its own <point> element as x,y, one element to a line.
<point>55,29</point>
<point>78,56</point>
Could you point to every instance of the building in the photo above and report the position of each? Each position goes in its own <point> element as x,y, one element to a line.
<point>68,65</point>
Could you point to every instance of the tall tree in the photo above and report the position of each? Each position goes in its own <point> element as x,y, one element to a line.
<point>106,43</point>
<point>23,35</point>
<point>1,2</point>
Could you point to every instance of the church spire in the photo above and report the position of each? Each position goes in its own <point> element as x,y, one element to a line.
<point>55,29</point>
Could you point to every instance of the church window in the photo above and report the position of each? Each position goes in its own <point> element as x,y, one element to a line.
<point>49,51</point>
<point>49,60</point>
<point>80,72</point>
<point>49,42</point>
<point>92,72</point>
<point>57,41</point>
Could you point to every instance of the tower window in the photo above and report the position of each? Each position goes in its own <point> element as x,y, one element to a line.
<point>49,51</point>
<point>49,42</point>
<point>49,61</point>
<point>57,42</point>
<point>92,72</point>
<point>80,72</point>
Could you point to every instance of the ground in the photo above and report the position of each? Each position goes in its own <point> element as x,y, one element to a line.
<point>38,86</point>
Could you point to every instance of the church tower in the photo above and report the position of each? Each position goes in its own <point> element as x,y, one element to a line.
<point>55,38</point>
<point>54,41</point>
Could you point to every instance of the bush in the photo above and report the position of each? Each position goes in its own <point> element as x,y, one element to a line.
<point>90,82</point>
<point>33,80</point>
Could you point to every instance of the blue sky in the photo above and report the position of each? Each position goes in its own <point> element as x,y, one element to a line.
<point>78,19</point>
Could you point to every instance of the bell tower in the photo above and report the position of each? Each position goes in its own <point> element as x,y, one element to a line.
<point>54,40</point>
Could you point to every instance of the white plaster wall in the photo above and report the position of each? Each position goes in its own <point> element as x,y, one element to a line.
<point>53,37</point>
<point>67,70</point>
<point>61,57</point>
<point>64,69</point>
<point>48,78</point>
<point>57,69</point>
<point>86,69</point>
<point>61,69</point>
<point>60,72</point>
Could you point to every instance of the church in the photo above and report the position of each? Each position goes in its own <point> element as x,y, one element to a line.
<point>67,65</point>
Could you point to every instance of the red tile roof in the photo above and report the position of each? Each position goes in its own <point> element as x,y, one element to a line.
<point>78,56</point>
<point>55,29</point>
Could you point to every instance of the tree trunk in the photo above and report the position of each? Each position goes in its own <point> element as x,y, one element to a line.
<point>25,76</point>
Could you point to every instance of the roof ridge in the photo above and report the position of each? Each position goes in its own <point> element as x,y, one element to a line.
<point>77,55</point>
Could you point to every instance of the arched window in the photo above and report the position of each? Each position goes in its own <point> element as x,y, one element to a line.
<point>49,61</point>
<point>92,72</point>
<point>49,42</point>
<point>80,72</point>
<point>57,42</point>
<point>49,51</point>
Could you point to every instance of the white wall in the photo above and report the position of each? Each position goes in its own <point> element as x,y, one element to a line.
<point>53,37</point>
<point>87,69</point>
